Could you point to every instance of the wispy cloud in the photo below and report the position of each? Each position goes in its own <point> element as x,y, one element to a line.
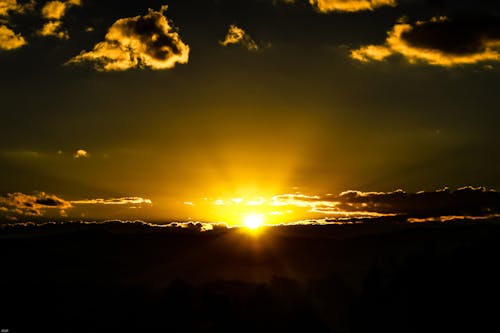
<point>328,6</point>
<point>114,201</point>
<point>442,41</point>
<point>236,35</point>
<point>148,41</point>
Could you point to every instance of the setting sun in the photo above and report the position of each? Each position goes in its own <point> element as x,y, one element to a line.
<point>253,221</point>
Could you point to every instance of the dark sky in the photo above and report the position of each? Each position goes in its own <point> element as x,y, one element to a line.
<point>179,111</point>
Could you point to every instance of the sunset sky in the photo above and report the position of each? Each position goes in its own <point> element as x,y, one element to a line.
<point>211,110</point>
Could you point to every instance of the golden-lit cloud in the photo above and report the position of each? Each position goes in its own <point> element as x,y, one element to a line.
<point>236,35</point>
<point>7,6</point>
<point>52,28</point>
<point>114,201</point>
<point>12,6</point>
<point>439,42</point>
<point>284,208</point>
<point>54,11</point>
<point>371,52</point>
<point>148,41</point>
<point>328,205</point>
<point>9,40</point>
<point>328,6</point>
<point>452,218</point>
<point>81,153</point>
<point>32,205</point>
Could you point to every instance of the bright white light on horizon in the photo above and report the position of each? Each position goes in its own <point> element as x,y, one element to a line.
<point>253,221</point>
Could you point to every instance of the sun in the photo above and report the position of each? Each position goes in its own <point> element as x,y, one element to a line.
<point>253,221</point>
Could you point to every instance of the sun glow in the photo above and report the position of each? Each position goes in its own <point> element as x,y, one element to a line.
<point>253,221</point>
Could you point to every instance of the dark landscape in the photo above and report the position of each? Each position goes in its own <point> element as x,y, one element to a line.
<point>384,276</point>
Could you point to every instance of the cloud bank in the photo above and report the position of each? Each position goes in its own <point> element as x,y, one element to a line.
<point>465,201</point>
<point>148,41</point>
<point>442,41</point>
<point>37,204</point>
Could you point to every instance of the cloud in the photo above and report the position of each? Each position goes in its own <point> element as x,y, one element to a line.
<point>114,201</point>
<point>8,7</point>
<point>81,153</point>
<point>452,218</point>
<point>31,205</point>
<point>328,6</point>
<point>114,226</point>
<point>18,203</point>
<point>53,28</point>
<point>442,41</point>
<point>9,40</point>
<point>236,35</point>
<point>465,201</point>
<point>148,41</point>
<point>54,11</point>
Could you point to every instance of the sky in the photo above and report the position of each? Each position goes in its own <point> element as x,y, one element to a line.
<point>211,110</point>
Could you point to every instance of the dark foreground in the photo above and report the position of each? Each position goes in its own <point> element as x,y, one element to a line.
<point>352,278</point>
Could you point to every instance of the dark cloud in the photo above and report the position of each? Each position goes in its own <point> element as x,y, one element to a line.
<point>18,204</point>
<point>441,41</point>
<point>465,202</point>
<point>148,41</point>
<point>32,205</point>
